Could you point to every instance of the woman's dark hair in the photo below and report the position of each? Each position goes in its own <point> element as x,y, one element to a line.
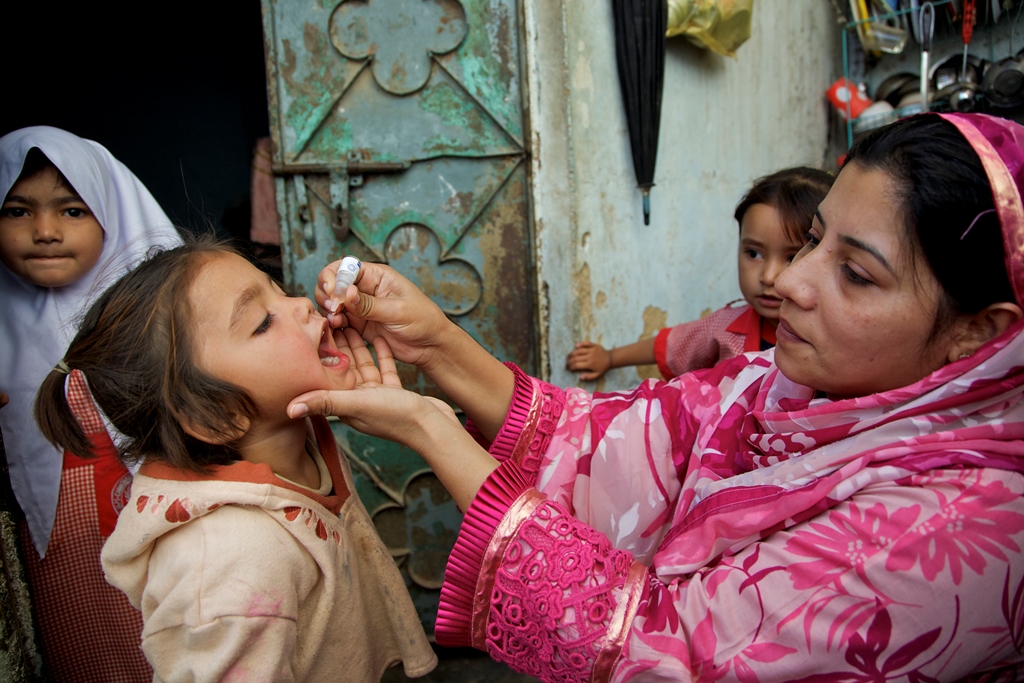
<point>794,192</point>
<point>36,162</point>
<point>136,349</point>
<point>942,188</point>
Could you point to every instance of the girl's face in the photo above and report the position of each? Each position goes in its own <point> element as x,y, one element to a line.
<point>858,311</point>
<point>250,334</point>
<point>48,236</point>
<point>765,251</point>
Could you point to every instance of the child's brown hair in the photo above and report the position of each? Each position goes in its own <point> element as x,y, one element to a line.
<point>136,350</point>
<point>794,192</point>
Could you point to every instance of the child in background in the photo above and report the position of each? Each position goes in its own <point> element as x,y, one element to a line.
<point>243,543</point>
<point>773,218</point>
<point>73,219</point>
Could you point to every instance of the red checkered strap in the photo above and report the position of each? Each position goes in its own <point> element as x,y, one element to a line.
<point>111,478</point>
<point>83,407</point>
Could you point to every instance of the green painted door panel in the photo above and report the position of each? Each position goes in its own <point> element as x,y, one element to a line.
<point>398,129</point>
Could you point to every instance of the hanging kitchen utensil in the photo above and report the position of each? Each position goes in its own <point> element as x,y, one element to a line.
<point>896,87</point>
<point>915,20</point>
<point>862,19</point>
<point>926,30</point>
<point>640,27</point>
<point>1003,83</point>
<point>889,34</point>
<point>963,97</point>
<point>947,76</point>
<point>878,27</point>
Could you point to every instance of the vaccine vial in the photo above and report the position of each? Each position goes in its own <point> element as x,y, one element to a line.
<point>347,272</point>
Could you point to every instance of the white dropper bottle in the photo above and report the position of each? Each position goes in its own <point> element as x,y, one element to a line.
<point>347,273</point>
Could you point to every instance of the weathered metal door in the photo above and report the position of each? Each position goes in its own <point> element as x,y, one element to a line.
<point>398,133</point>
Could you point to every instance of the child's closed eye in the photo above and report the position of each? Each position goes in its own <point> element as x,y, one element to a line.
<point>265,325</point>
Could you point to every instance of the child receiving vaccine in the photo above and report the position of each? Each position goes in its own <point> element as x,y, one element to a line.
<point>73,219</point>
<point>243,543</point>
<point>773,218</point>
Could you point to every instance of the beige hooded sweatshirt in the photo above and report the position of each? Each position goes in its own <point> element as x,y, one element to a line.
<point>244,576</point>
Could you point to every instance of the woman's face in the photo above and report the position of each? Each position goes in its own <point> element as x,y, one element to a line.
<point>857,310</point>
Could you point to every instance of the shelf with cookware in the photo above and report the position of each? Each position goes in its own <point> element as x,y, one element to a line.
<point>970,52</point>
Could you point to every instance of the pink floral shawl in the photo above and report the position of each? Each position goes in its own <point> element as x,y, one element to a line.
<point>966,414</point>
<point>729,525</point>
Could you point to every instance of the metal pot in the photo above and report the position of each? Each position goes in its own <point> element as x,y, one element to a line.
<point>957,83</point>
<point>896,87</point>
<point>1003,83</point>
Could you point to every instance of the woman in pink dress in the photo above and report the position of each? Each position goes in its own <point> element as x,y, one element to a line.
<point>848,506</point>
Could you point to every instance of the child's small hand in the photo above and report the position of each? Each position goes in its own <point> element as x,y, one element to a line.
<point>589,359</point>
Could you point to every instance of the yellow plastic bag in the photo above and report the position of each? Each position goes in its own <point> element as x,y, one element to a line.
<point>719,25</point>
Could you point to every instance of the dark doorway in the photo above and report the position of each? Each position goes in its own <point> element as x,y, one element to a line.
<point>176,91</point>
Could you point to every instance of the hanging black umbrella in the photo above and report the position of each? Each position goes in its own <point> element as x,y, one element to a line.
<point>640,53</point>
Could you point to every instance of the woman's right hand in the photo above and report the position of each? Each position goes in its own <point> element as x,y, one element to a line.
<point>383,303</point>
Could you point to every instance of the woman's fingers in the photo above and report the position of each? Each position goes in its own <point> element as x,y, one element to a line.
<point>386,363</point>
<point>362,359</point>
<point>309,403</point>
<point>325,287</point>
<point>343,404</point>
<point>387,412</point>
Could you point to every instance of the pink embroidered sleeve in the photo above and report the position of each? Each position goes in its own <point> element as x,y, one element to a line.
<point>913,579</point>
<point>536,588</point>
<point>615,461</point>
<point>517,418</point>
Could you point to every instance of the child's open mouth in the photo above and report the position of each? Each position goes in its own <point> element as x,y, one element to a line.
<point>330,356</point>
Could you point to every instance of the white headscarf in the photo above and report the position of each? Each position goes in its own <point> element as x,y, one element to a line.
<point>38,323</point>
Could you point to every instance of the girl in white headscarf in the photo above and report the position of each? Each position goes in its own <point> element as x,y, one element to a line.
<point>73,220</point>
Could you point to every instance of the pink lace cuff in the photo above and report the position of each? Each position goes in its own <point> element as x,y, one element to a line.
<point>506,484</point>
<point>536,588</point>
<point>517,419</point>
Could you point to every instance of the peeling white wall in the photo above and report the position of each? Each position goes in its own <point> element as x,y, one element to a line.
<point>602,273</point>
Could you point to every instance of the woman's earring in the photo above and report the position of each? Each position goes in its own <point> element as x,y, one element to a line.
<point>964,355</point>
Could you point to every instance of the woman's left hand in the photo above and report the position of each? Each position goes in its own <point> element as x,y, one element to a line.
<point>389,411</point>
<point>379,406</point>
<point>383,372</point>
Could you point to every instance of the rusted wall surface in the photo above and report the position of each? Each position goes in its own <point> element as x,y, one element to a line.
<point>724,123</point>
